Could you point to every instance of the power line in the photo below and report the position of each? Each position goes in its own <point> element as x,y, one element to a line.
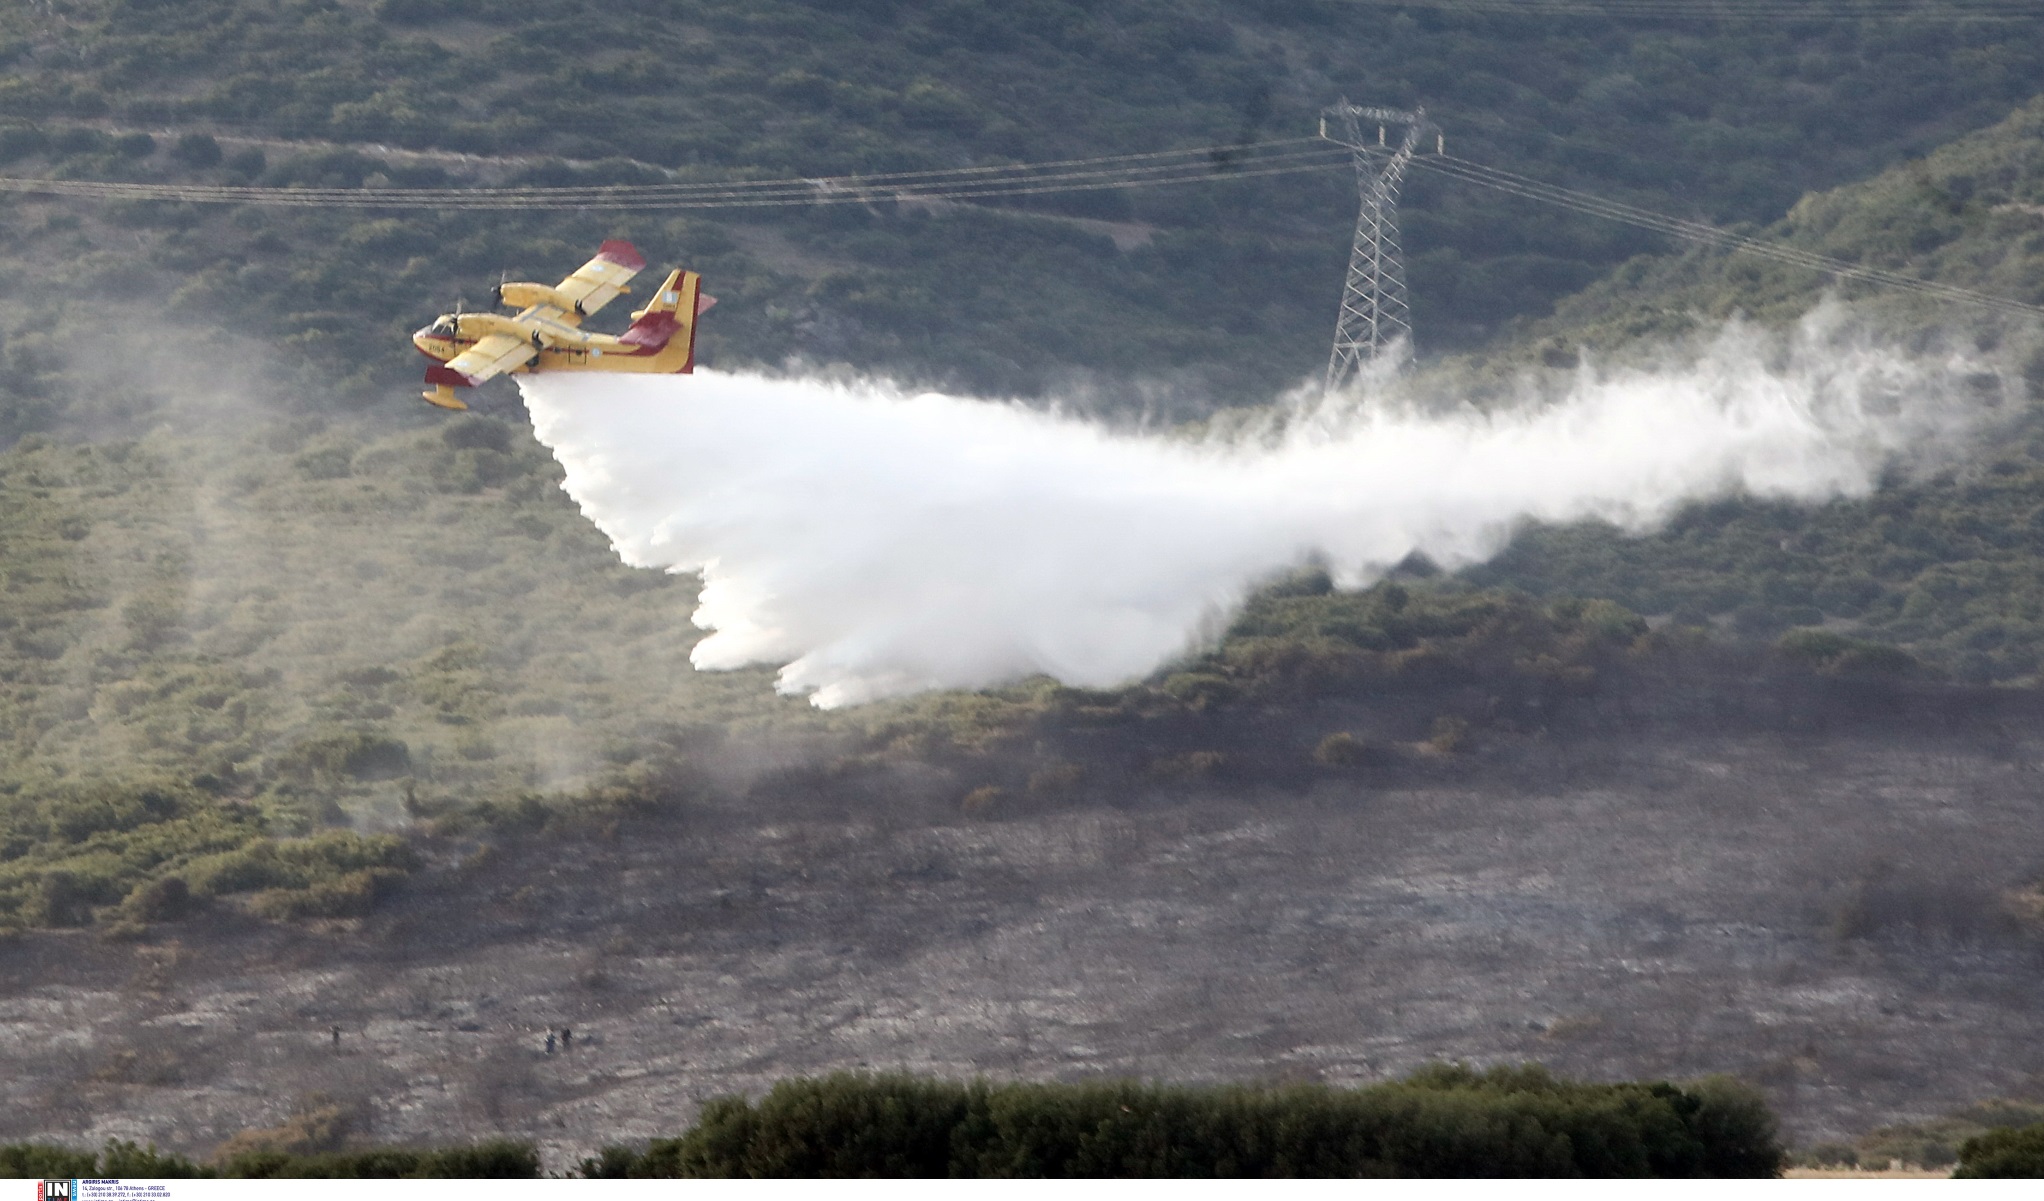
<point>1698,231</point>
<point>1207,164</point>
<point>622,199</point>
<point>1202,164</point>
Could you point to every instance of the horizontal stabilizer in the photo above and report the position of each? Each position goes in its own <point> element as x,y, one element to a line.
<point>624,254</point>
<point>652,331</point>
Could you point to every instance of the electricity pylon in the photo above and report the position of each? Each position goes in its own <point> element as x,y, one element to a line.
<point>1374,314</point>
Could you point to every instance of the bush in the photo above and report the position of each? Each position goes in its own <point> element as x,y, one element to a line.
<point>2004,1155</point>
<point>613,1163</point>
<point>501,1159</point>
<point>19,142</point>
<point>20,1161</point>
<point>1447,1121</point>
<point>498,1160</point>
<point>161,900</point>
<point>297,864</point>
<point>196,150</point>
<point>1739,1134</point>
<point>117,1158</point>
<point>347,895</point>
<point>1339,749</point>
<point>356,754</point>
<point>1450,734</point>
<point>1835,654</point>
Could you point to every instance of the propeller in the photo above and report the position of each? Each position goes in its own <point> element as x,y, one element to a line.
<point>497,293</point>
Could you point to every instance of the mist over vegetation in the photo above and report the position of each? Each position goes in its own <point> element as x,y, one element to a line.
<point>870,543</point>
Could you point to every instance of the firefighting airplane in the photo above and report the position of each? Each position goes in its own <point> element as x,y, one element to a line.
<point>546,335</point>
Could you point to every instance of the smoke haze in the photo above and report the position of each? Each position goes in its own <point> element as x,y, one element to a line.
<point>874,542</point>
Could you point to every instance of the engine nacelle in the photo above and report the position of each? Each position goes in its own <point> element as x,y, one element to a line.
<point>524,296</point>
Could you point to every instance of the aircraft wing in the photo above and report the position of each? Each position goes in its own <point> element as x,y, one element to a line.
<point>493,355</point>
<point>602,279</point>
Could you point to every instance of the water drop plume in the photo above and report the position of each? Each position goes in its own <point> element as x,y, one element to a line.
<point>874,542</point>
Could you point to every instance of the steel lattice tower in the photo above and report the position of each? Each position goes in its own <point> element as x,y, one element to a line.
<point>1374,314</point>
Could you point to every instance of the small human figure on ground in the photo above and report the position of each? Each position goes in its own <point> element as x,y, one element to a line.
<point>337,1037</point>
<point>550,1042</point>
<point>567,1039</point>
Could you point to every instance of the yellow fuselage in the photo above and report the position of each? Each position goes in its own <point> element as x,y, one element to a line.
<point>567,347</point>
<point>547,333</point>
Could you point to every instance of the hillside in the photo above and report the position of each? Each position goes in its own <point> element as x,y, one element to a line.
<point>1814,895</point>
<point>1725,121</point>
<point>275,620</point>
<point>279,631</point>
<point>319,708</point>
<point>1969,213</point>
<point>1946,559</point>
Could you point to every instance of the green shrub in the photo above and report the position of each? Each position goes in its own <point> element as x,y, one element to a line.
<point>196,150</point>
<point>336,858</point>
<point>614,1163</point>
<point>33,1160</point>
<point>77,813</point>
<point>1340,749</point>
<point>20,142</point>
<point>1835,654</point>
<point>164,899</point>
<point>1343,749</point>
<point>347,895</point>
<point>499,1160</point>
<point>116,1158</point>
<point>1441,1122</point>
<point>119,1158</point>
<point>1739,1133</point>
<point>502,1159</point>
<point>356,754</point>
<point>2004,1154</point>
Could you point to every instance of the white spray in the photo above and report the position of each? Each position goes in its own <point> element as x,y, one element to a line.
<point>876,543</point>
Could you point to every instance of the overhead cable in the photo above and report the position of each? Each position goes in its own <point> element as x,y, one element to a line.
<point>1208,164</point>
<point>1201,164</point>
<point>1703,232</point>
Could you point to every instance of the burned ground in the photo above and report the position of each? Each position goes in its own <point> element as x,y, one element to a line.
<point>1842,911</point>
